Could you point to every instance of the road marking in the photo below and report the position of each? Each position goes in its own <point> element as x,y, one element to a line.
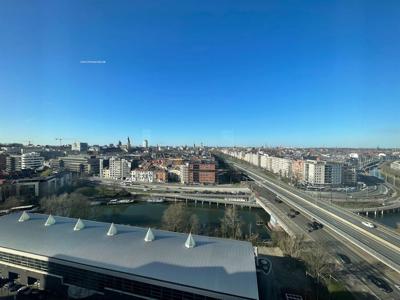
<point>352,239</point>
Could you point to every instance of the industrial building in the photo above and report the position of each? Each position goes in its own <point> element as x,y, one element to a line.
<point>118,259</point>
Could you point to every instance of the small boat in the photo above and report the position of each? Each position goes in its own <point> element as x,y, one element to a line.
<point>122,201</point>
<point>155,200</point>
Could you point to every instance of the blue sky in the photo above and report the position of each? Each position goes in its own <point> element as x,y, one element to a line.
<point>291,73</point>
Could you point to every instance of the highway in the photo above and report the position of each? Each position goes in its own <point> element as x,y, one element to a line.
<point>353,275</point>
<point>381,243</point>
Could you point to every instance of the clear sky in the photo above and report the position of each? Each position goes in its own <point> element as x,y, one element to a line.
<point>290,73</point>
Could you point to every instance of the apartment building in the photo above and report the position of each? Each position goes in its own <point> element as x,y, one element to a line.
<point>323,172</point>
<point>31,160</point>
<point>13,163</point>
<point>298,169</point>
<point>120,168</point>
<point>202,172</point>
<point>144,176</point>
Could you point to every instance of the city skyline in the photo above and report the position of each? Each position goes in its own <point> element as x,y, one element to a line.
<point>274,73</point>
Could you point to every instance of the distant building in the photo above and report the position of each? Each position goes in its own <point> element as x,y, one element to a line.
<point>81,164</point>
<point>323,173</point>
<point>3,162</point>
<point>31,160</point>
<point>13,163</point>
<point>202,172</point>
<point>145,144</point>
<point>79,147</point>
<point>349,176</point>
<point>36,186</point>
<point>119,168</point>
<point>395,165</point>
<point>144,176</point>
<point>298,169</point>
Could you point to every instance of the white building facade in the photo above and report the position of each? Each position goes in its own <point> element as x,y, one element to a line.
<point>31,160</point>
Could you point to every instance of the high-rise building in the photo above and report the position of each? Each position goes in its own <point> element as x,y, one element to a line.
<point>31,160</point>
<point>119,168</point>
<point>145,144</point>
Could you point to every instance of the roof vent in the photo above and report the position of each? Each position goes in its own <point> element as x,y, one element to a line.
<point>50,221</point>
<point>112,230</point>
<point>190,243</point>
<point>79,225</point>
<point>24,217</point>
<point>149,236</point>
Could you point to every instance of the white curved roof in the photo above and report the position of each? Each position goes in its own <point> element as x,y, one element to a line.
<point>220,265</point>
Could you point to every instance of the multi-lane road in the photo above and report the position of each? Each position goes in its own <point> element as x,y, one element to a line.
<point>381,243</point>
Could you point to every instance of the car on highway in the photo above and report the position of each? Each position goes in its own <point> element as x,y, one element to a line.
<point>291,214</point>
<point>368,224</point>
<point>296,212</point>
<point>344,259</point>
<point>15,287</point>
<point>380,283</point>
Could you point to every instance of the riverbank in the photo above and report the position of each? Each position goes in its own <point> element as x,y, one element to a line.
<point>148,214</point>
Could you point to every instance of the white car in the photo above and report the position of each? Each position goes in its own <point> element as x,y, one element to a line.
<point>368,224</point>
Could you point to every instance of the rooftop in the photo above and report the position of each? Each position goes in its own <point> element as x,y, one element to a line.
<point>220,265</point>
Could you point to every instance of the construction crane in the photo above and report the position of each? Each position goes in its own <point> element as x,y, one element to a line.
<point>63,139</point>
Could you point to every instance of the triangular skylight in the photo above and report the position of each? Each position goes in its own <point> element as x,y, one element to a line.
<point>190,243</point>
<point>24,217</point>
<point>79,225</point>
<point>149,236</point>
<point>112,230</point>
<point>50,221</point>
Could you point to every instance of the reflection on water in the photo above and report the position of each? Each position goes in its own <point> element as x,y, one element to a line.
<point>150,215</point>
<point>388,219</point>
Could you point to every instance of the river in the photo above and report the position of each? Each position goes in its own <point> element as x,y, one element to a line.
<point>146,214</point>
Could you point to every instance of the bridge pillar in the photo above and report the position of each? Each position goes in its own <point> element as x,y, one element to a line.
<point>382,212</point>
<point>366,214</point>
<point>375,213</point>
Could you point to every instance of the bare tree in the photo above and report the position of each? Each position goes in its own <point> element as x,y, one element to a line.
<point>292,246</point>
<point>317,262</point>
<point>69,205</point>
<point>175,218</point>
<point>194,224</point>
<point>231,223</point>
<point>12,202</point>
